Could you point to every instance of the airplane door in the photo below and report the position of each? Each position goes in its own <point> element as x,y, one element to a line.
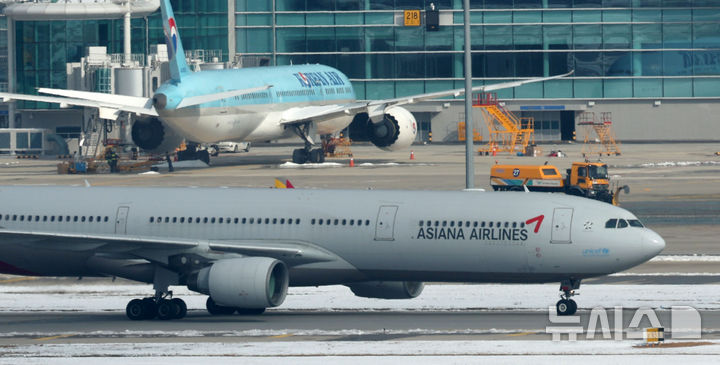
<point>562,220</point>
<point>385,226</point>
<point>121,220</point>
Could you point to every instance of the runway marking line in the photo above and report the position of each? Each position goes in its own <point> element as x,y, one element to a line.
<point>53,337</point>
<point>15,280</point>
<point>521,334</point>
<point>283,336</point>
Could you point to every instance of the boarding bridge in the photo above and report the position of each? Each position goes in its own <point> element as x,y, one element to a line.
<point>22,141</point>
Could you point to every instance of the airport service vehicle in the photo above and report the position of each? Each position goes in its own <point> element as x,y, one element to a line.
<point>255,105</point>
<point>587,179</point>
<point>244,247</point>
<point>234,147</point>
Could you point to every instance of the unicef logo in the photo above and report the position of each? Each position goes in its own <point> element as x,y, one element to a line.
<point>516,172</point>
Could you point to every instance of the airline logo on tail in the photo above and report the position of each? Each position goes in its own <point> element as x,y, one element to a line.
<point>171,38</point>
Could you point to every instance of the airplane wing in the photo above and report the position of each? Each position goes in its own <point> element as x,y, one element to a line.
<point>457,92</point>
<point>377,107</point>
<point>292,252</point>
<point>109,105</point>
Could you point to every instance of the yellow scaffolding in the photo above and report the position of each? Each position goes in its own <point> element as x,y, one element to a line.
<point>602,128</point>
<point>506,131</point>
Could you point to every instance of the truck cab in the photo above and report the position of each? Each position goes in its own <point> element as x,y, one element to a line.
<point>589,179</point>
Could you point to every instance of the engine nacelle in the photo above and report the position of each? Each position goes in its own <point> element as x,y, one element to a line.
<point>152,135</point>
<point>247,282</point>
<point>396,131</point>
<point>387,289</point>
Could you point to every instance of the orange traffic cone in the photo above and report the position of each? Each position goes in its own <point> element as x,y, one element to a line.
<point>412,155</point>
<point>352,162</point>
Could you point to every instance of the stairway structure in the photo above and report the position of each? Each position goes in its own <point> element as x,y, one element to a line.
<point>506,131</point>
<point>599,136</point>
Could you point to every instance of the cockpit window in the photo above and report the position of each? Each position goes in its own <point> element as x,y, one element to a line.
<point>622,223</point>
<point>635,223</point>
<point>598,172</point>
<point>611,223</point>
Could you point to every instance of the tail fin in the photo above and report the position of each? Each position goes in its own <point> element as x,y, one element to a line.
<point>176,53</point>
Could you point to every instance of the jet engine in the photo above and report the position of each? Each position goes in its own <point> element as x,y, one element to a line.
<point>247,282</point>
<point>152,135</point>
<point>387,289</point>
<point>396,131</point>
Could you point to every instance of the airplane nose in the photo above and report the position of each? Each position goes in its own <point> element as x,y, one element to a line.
<point>653,244</point>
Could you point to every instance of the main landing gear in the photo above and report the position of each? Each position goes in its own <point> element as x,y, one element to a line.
<point>307,154</point>
<point>566,306</point>
<point>217,310</point>
<point>156,307</point>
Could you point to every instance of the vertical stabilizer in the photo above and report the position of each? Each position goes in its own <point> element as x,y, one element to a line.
<point>176,53</point>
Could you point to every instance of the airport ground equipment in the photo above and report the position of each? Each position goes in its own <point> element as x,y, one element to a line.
<point>506,131</point>
<point>337,147</point>
<point>599,135</point>
<point>587,179</point>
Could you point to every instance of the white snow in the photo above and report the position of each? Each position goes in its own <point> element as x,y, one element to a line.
<point>451,297</point>
<point>686,258</point>
<point>356,352</point>
<point>292,165</point>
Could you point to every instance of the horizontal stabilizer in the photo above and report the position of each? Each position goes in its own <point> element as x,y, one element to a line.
<point>202,99</point>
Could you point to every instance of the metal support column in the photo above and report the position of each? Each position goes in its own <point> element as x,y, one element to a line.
<point>469,156</point>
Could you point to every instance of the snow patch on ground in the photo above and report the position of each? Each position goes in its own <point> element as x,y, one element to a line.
<point>347,352</point>
<point>308,165</point>
<point>671,164</point>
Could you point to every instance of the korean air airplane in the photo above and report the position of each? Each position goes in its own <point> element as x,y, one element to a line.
<point>254,104</point>
<point>244,247</point>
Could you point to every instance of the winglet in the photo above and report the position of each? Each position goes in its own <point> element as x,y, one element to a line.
<point>289,185</point>
<point>176,53</point>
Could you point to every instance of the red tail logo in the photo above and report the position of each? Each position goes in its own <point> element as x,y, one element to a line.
<point>538,219</point>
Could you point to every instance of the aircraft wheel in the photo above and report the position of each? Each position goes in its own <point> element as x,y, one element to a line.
<point>300,156</point>
<point>250,311</point>
<point>167,309</point>
<point>149,308</point>
<point>236,149</point>
<point>135,310</point>
<point>216,310</point>
<point>566,307</point>
<point>204,156</point>
<point>181,308</point>
<point>317,156</point>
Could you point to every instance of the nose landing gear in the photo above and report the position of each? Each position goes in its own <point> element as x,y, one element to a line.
<point>566,306</point>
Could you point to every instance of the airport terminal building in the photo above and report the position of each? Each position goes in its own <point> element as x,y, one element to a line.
<point>655,64</point>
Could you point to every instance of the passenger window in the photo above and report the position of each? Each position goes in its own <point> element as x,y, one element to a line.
<point>182,219</point>
<point>82,219</point>
<point>507,224</point>
<point>244,220</point>
<point>37,218</point>
<point>437,223</point>
<point>90,218</point>
<point>297,221</point>
<point>220,220</point>
<point>622,223</point>
<point>352,222</point>
<point>59,218</point>
<point>482,224</point>
<point>67,218</point>
<point>452,223</point>
<point>174,219</point>
<point>267,220</point>
<point>475,224</point>
<point>22,218</point>
<point>514,225</point>
<point>421,223</point>
<point>367,222</point>
<point>335,222</point>
<point>444,223</point>
<point>75,218</point>
<point>274,220</point>
<point>490,224</point>
<point>107,218</point>
<point>98,219</point>
<point>611,223</point>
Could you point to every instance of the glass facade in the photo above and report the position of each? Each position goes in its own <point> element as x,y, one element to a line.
<point>618,48</point>
<point>43,48</point>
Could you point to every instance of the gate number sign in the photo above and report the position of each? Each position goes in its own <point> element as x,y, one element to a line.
<point>412,18</point>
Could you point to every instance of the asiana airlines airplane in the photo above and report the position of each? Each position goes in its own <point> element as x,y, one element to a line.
<point>255,104</point>
<point>244,247</point>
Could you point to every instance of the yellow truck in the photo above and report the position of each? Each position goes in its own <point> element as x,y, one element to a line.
<point>588,179</point>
